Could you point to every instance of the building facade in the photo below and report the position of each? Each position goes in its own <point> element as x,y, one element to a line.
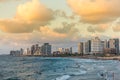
<point>71,50</point>
<point>96,46</point>
<point>117,45</point>
<point>46,49</point>
<point>114,44</point>
<point>61,50</point>
<point>80,48</point>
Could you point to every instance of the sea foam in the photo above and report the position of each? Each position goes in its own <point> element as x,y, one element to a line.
<point>64,77</point>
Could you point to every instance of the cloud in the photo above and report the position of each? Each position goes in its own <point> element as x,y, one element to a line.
<point>46,31</point>
<point>67,28</point>
<point>33,11</point>
<point>98,28</point>
<point>91,29</point>
<point>102,27</point>
<point>96,11</point>
<point>7,0</point>
<point>29,17</point>
<point>63,14</point>
<point>116,29</point>
<point>16,26</point>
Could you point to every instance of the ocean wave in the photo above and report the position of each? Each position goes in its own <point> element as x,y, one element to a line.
<point>33,68</point>
<point>64,77</point>
<point>15,78</point>
<point>78,73</point>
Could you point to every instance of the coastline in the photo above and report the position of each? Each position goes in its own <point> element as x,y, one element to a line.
<point>98,58</point>
<point>81,57</point>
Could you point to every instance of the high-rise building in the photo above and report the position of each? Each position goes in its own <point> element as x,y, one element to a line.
<point>89,46</point>
<point>70,50</point>
<point>25,52</point>
<point>85,48</point>
<point>61,50</point>
<point>106,45</point>
<point>46,49</point>
<point>111,43</point>
<point>21,51</point>
<point>67,50</point>
<point>36,47</point>
<point>117,45</point>
<point>80,48</point>
<point>28,51</point>
<point>114,44</point>
<point>96,46</point>
<point>32,49</point>
<point>37,50</point>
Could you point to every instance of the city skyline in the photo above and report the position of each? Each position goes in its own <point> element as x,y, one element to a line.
<point>93,46</point>
<point>62,23</point>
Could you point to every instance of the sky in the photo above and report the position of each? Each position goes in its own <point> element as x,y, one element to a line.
<point>62,23</point>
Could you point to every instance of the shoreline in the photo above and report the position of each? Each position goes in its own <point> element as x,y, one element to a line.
<point>98,58</point>
<point>81,57</point>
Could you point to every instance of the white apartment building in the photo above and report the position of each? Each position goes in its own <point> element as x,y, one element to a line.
<point>85,48</point>
<point>111,43</point>
<point>96,46</point>
<point>61,50</point>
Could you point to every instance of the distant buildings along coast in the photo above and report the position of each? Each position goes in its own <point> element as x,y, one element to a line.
<point>95,46</point>
<point>45,49</point>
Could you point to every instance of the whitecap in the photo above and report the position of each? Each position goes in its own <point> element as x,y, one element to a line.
<point>64,77</point>
<point>78,73</point>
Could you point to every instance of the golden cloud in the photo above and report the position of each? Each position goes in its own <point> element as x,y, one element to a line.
<point>16,26</point>
<point>46,31</point>
<point>102,27</point>
<point>69,29</point>
<point>96,11</point>
<point>33,11</point>
<point>116,28</point>
<point>7,0</point>
<point>98,28</point>
<point>91,29</point>
<point>116,25</point>
<point>29,17</point>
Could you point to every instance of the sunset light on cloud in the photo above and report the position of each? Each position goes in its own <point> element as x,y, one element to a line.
<point>33,11</point>
<point>96,11</point>
<point>39,20</point>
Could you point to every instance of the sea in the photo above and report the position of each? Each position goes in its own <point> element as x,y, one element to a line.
<point>57,68</point>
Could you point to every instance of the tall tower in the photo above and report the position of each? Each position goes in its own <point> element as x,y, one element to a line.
<point>117,45</point>
<point>114,43</point>
<point>89,46</point>
<point>21,51</point>
<point>96,46</point>
<point>111,43</point>
<point>80,48</point>
<point>61,50</point>
<point>46,49</point>
<point>32,49</point>
<point>70,50</point>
